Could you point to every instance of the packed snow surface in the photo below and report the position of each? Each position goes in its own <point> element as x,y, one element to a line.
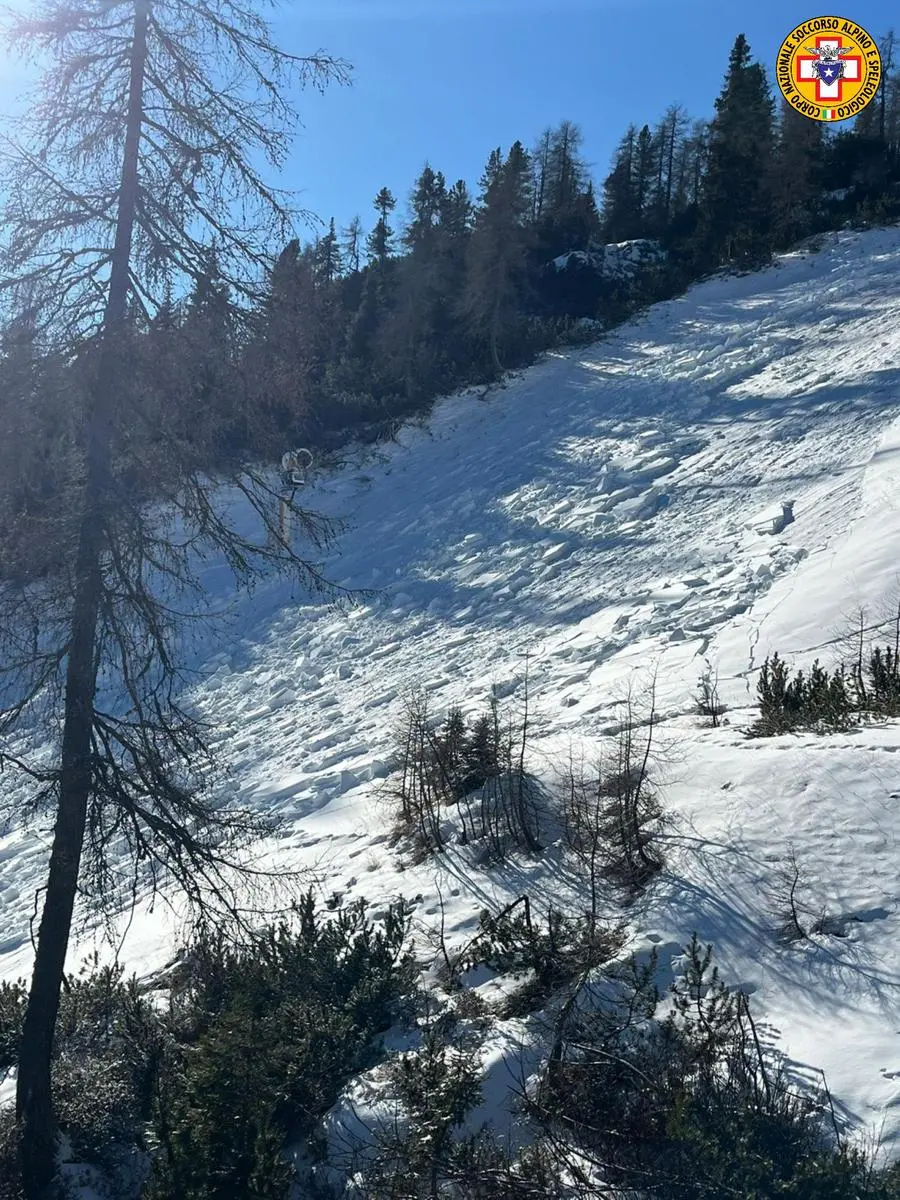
<point>606,515</point>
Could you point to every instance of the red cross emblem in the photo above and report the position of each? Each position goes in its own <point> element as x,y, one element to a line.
<point>810,68</point>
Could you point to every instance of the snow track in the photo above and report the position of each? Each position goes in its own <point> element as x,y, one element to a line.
<point>596,511</point>
<point>600,513</point>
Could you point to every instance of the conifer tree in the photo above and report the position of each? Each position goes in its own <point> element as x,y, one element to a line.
<point>452,247</point>
<point>360,369</point>
<point>380,242</point>
<point>736,199</point>
<point>207,346</point>
<point>498,254</point>
<point>328,256</point>
<point>456,214</point>
<point>621,204</point>
<point>408,344</point>
<point>799,174</point>
<point>427,204</point>
<point>565,215</point>
<point>281,356</point>
<point>643,174</point>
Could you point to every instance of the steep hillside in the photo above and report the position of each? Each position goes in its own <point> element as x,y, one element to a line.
<point>603,517</point>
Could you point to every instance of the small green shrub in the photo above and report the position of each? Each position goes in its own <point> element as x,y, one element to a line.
<point>818,701</point>
<point>687,1101</point>
<point>433,1088</point>
<point>553,951</point>
<point>823,701</point>
<point>260,1037</point>
<point>271,1032</point>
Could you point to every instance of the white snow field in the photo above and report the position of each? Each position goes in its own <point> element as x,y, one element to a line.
<point>609,513</point>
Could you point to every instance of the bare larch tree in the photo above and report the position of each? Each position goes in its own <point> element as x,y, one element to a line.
<point>139,157</point>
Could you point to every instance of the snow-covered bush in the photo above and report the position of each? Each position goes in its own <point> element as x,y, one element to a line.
<point>106,1047</point>
<point>432,1088</point>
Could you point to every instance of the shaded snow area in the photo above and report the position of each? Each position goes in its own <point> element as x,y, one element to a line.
<point>609,513</point>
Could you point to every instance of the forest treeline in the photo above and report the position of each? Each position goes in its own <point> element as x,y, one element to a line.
<point>362,327</point>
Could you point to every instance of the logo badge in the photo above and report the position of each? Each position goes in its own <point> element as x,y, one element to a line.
<point>828,69</point>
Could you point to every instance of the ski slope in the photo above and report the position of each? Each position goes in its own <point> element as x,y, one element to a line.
<point>605,516</point>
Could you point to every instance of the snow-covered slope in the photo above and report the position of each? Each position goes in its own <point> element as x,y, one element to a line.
<point>610,512</point>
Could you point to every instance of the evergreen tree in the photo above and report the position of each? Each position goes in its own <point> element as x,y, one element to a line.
<point>285,356</point>
<point>736,198</point>
<point>380,242</point>
<point>428,202</point>
<point>621,203</point>
<point>207,346</point>
<point>498,254</point>
<point>797,185</point>
<point>328,256</point>
<point>456,229</point>
<point>409,345</point>
<point>357,372</point>
<point>358,376</point>
<point>492,173</point>
<point>456,214</point>
<point>644,171</point>
<point>421,344</point>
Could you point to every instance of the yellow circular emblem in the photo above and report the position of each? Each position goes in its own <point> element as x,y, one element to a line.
<point>828,69</point>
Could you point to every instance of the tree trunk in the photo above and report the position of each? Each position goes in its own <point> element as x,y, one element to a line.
<point>495,337</point>
<point>670,165</point>
<point>33,1095</point>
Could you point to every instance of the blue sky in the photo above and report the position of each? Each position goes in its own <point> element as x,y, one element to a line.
<point>448,80</point>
